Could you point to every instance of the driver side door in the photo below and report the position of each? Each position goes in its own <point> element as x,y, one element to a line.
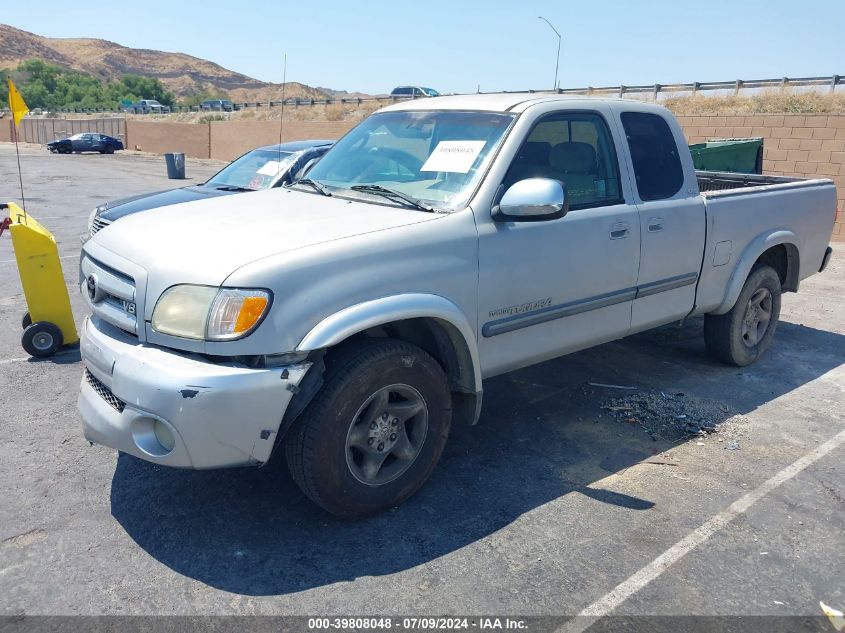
<point>551,287</point>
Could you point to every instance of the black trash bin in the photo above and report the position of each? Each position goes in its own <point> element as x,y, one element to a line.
<point>175,165</point>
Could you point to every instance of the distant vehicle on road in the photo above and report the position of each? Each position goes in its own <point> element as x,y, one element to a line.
<point>217,104</point>
<point>85,142</point>
<point>414,91</point>
<point>146,106</point>
<point>262,168</point>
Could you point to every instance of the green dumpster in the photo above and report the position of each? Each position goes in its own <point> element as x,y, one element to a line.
<point>739,155</point>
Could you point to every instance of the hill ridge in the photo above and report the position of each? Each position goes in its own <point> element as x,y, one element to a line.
<point>181,73</point>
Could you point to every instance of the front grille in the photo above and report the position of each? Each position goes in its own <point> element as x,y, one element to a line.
<point>99,223</point>
<point>104,392</point>
<point>115,293</point>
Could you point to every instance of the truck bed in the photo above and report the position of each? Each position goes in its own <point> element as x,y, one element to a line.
<point>722,180</point>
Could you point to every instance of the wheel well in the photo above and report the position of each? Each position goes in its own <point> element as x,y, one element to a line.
<point>784,259</point>
<point>444,342</point>
<point>439,338</point>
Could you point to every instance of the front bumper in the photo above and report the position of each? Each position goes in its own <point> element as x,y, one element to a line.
<point>218,415</point>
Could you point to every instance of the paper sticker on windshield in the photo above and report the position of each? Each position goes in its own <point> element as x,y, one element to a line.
<point>453,156</point>
<point>271,168</point>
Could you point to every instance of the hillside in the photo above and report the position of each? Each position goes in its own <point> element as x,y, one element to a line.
<point>180,73</point>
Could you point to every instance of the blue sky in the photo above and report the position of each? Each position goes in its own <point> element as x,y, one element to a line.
<point>456,46</point>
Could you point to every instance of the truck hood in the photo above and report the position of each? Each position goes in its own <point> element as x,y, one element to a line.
<point>207,240</point>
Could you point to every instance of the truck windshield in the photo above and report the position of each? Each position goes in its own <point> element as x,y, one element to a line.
<point>258,169</point>
<point>436,157</point>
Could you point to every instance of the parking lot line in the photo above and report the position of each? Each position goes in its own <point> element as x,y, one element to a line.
<point>6,361</point>
<point>610,601</point>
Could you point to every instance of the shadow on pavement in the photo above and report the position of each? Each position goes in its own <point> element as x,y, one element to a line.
<point>542,436</point>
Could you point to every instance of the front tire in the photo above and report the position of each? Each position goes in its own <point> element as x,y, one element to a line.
<point>741,335</point>
<point>374,433</point>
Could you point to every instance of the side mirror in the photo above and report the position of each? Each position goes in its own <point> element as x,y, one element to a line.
<point>532,200</point>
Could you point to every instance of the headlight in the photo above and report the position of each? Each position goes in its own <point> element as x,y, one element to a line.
<point>214,314</point>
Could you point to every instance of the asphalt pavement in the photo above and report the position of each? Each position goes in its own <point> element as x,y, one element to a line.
<point>567,498</point>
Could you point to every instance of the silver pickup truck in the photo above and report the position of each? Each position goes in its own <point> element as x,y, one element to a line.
<point>348,319</point>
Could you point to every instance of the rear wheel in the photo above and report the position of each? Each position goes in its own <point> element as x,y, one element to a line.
<point>741,335</point>
<point>41,339</point>
<point>109,149</point>
<point>374,433</point>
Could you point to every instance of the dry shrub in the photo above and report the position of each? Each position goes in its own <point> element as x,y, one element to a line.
<point>769,102</point>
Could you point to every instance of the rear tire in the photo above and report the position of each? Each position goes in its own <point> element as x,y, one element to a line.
<point>742,334</point>
<point>41,339</point>
<point>109,149</point>
<point>374,432</point>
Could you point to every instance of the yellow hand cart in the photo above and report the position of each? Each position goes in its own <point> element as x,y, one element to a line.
<point>48,324</point>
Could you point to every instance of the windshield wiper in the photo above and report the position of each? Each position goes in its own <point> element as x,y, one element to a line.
<point>316,186</point>
<point>392,193</point>
<point>233,188</point>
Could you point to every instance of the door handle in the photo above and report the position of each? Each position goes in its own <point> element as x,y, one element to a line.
<point>655,225</point>
<point>619,231</point>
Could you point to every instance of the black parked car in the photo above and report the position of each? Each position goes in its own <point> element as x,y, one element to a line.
<point>262,168</point>
<point>86,142</point>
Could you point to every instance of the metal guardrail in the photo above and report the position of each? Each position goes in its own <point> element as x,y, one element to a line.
<point>654,90</point>
<point>736,86</point>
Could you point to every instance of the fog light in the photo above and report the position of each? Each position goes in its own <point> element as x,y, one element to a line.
<point>164,436</point>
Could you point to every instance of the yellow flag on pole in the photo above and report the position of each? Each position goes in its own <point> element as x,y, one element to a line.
<point>16,103</point>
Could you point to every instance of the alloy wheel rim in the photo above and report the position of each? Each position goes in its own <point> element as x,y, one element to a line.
<point>386,434</point>
<point>758,316</point>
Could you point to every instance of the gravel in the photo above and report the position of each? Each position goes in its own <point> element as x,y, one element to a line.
<point>676,416</point>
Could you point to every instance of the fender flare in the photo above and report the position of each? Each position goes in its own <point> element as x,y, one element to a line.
<point>751,254</point>
<point>341,325</point>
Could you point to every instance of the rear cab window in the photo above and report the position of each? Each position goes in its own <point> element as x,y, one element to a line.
<point>654,154</point>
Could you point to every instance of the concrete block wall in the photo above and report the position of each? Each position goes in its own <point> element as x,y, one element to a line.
<point>230,139</point>
<point>804,145</point>
<point>193,139</point>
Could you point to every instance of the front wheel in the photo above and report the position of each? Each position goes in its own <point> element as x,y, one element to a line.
<point>741,335</point>
<point>374,433</point>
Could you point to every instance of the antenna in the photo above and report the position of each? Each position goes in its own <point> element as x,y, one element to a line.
<point>282,119</point>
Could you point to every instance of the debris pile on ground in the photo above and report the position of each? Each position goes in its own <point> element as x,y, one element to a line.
<point>673,416</point>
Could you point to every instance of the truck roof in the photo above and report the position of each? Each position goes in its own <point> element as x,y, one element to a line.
<point>492,102</point>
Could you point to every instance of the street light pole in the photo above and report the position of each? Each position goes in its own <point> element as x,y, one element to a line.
<point>557,63</point>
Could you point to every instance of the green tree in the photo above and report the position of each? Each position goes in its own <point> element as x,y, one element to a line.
<point>47,86</point>
<point>147,87</point>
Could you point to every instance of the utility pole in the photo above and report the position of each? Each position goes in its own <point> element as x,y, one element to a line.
<point>557,62</point>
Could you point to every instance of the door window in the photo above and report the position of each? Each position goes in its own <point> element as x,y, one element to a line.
<point>575,148</point>
<point>654,155</point>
